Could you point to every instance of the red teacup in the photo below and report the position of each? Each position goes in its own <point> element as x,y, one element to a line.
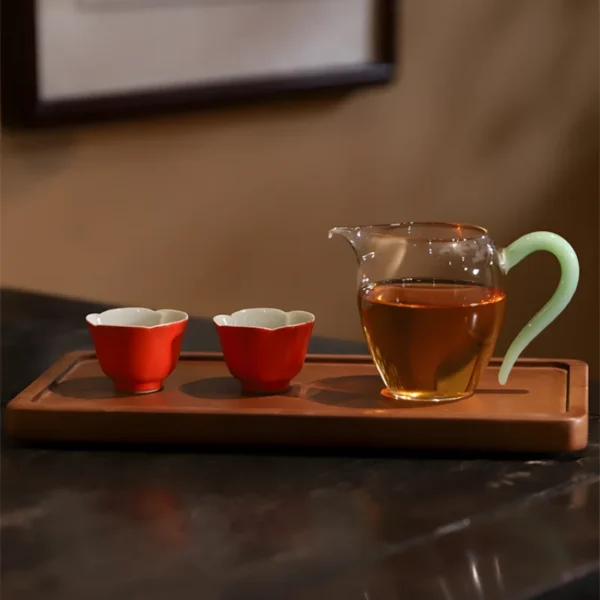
<point>265,348</point>
<point>137,348</point>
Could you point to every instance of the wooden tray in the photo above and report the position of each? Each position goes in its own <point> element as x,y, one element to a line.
<point>335,401</point>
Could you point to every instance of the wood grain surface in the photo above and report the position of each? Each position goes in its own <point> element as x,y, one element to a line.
<point>335,401</point>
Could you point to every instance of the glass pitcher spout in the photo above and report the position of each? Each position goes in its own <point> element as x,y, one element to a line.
<point>381,247</point>
<point>351,234</point>
<point>347,232</point>
<point>359,238</point>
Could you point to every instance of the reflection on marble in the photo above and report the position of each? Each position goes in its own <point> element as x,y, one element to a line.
<point>473,562</point>
<point>100,524</point>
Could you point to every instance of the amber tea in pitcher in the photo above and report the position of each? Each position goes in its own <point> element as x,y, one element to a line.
<point>431,300</point>
<point>448,332</point>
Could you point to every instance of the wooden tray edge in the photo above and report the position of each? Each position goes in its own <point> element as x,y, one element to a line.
<point>573,431</point>
<point>176,429</point>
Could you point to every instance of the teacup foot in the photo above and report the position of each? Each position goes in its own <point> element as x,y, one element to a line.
<point>138,388</point>
<point>264,387</point>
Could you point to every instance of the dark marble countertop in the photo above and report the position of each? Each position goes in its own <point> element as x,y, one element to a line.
<point>95,523</point>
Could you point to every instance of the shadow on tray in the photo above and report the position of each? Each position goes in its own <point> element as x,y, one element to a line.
<point>353,391</point>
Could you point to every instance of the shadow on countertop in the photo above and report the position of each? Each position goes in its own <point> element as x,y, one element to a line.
<point>37,329</point>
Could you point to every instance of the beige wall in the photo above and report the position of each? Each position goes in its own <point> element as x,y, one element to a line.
<point>493,120</point>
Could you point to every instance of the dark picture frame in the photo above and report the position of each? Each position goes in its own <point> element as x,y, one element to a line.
<point>23,108</point>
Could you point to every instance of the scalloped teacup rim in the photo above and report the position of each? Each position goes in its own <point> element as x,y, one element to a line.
<point>136,316</point>
<point>264,318</point>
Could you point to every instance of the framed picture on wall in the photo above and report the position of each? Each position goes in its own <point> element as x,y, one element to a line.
<point>79,60</point>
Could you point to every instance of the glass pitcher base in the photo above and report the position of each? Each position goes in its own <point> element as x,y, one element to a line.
<point>428,397</point>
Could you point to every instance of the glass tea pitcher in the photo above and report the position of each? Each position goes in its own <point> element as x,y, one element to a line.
<point>431,298</point>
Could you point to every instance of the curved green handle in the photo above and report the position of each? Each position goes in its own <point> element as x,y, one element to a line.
<point>569,278</point>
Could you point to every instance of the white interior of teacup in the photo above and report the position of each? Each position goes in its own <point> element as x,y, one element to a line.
<point>136,317</point>
<point>265,318</point>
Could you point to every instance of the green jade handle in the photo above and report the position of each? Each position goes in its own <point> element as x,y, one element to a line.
<point>569,278</point>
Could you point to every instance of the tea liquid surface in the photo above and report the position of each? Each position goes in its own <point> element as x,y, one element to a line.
<point>431,339</point>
